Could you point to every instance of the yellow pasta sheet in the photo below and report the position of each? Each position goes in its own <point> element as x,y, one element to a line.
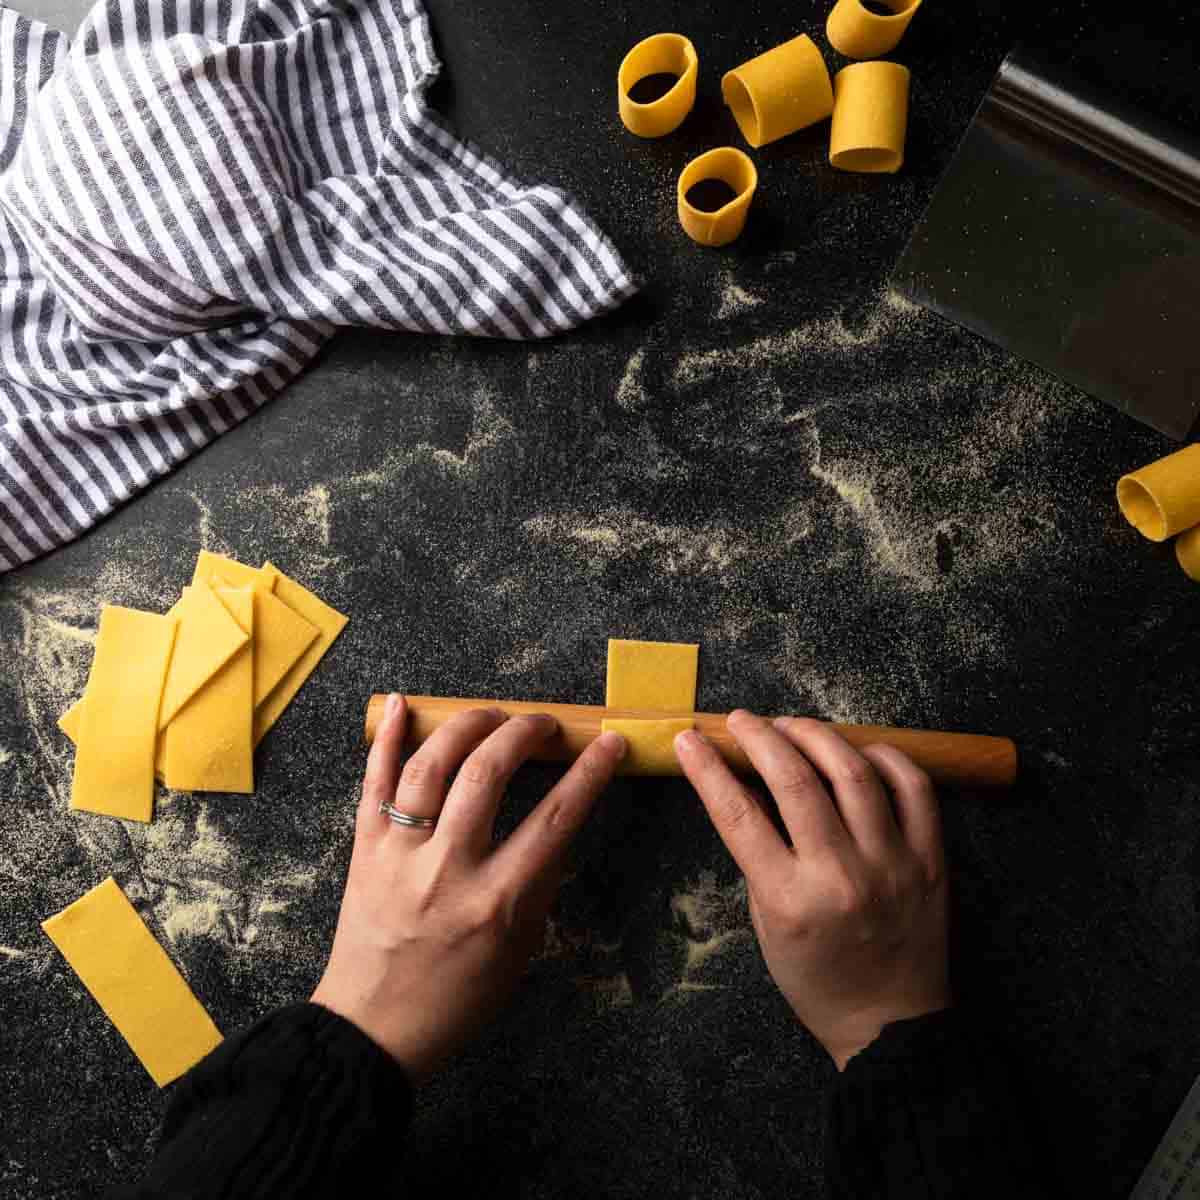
<point>655,676</point>
<point>209,744</point>
<point>114,757</point>
<point>650,743</point>
<point>281,636</point>
<point>208,638</point>
<point>329,623</point>
<point>118,960</point>
<point>216,569</point>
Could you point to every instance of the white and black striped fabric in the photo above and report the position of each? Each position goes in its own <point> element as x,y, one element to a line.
<point>194,194</point>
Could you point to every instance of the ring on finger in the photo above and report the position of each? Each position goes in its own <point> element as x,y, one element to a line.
<point>399,817</point>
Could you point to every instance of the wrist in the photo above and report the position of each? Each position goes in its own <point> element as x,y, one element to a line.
<point>866,1029</point>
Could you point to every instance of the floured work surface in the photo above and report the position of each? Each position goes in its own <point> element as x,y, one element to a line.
<point>857,508</point>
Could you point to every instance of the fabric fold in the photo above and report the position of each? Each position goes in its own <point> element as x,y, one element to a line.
<point>193,198</point>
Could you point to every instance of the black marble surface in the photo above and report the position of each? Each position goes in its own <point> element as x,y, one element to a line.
<point>858,510</point>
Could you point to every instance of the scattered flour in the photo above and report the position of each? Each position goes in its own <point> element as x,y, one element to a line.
<point>6,756</point>
<point>734,299</point>
<point>777,350</point>
<point>712,918</point>
<point>630,393</point>
<point>620,533</point>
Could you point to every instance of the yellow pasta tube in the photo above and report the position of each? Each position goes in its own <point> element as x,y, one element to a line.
<point>1164,498</point>
<point>1187,551</point>
<point>659,54</point>
<point>870,118</point>
<point>721,226</point>
<point>856,32</point>
<point>780,91</point>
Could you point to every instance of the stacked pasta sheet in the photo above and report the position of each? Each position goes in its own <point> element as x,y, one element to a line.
<point>188,694</point>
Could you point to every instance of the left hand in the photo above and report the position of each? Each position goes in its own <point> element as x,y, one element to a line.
<point>437,925</point>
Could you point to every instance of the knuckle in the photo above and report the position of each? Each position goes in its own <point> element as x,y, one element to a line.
<point>417,772</point>
<point>857,772</point>
<point>486,912</point>
<point>795,783</point>
<point>480,770</point>
<point>736,807</point>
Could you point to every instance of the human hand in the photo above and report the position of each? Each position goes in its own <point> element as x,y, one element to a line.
<point>437,925</point>
<point>851,917</point>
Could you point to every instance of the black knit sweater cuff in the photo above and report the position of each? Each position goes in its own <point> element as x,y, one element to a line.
<point>286,1107</point>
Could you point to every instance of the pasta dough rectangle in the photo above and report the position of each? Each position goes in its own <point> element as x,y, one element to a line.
<point>281,636</point>
<point>214,569</point>
<point>329,623</point>
<point>650,743</point>
<point>655,676</point>
<point>119,961</point>
<point>209,746</point>
<point>208,638</point>
<point>114,758</point>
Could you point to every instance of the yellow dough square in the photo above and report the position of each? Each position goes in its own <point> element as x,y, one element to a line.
<point>281,636</point>
<point>651,744</point>
<point>654,676</point>
<point>114,758</point>
<point>116,957</point>
<point>329,623</point>
<point>209,746</point>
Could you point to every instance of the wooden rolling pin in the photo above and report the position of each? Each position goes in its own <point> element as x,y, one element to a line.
<point>958,759</point>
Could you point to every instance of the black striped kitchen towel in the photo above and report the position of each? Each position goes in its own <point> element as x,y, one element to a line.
<point>194,194</point>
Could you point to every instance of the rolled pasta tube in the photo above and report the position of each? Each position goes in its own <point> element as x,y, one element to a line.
<point>856,32</point>
<point>780,91</point>
<point>1163,499</point>
<point>721,226</point>
<point>659,54</point>
<point>870,117</point>
<point>1187,551</point>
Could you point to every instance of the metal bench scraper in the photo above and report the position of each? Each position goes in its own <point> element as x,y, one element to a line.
<point>1067,230</point>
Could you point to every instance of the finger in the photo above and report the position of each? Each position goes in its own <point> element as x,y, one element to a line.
<point>915,804</point>
<point>469,815</point>
<point>542,838</point>
<point>383,767</point>
<point>423,781</point>
<point>808,811</point>
<point>744,828</point>
<point>864,806</point>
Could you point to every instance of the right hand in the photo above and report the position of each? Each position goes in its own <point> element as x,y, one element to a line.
<point>852,916</point>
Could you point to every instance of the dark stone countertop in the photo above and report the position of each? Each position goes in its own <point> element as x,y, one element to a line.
<point>859,510</point>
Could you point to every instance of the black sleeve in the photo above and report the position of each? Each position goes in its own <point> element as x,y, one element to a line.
<point>301,1104</point>
<point>933,1109</point>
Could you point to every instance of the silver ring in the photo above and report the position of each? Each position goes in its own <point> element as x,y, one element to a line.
<point>407,819</point>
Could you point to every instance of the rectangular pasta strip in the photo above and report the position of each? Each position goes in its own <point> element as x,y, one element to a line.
<point>329,623</point>
<point>119,961</point>
<point>281,636</point>
<point>650,743</point>
<point>656,676</point>
<point>209,746</point>
<point>114,757</point>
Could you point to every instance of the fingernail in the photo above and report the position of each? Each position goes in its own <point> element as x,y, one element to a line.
<point>499,713</point>
<point>781,722</point>
<point>612,740</point>
<point>545,720</point>
<point>738,714</point>
<point>391,704</point>
<point>689,739</point>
